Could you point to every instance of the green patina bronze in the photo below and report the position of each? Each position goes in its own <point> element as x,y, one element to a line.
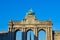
<point>30,12</point>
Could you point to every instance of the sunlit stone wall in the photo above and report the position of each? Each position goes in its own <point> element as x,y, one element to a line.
<point>56,35</point>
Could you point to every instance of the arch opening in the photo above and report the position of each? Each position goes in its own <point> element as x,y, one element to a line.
<point>41,35</point>
<point>18,34</point>
<point>30,35</point>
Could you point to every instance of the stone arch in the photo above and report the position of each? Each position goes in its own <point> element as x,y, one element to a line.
<point>20,31</point>
<point>42,31</point>
<point>18,28</point>
<point>31,34</point>
<point>43,28</point>
<point>31,28</point>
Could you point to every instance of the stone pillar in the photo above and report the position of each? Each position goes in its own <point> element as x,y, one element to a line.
<point>13,33</point>
<point>24,37</point>
<point>50,29</point>
<point>46,33</point>
<point>10,34</point>
<point>49,33</point>
<point>35,34</point>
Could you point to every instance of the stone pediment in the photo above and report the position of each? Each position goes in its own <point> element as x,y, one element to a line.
<point>30,17</point>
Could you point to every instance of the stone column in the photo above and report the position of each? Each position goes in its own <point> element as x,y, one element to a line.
<point>49,33</point>
<point>46,33</point>
<point>13,33</point>
<point>10,34</point>
<point>24,37</point>
<point>35,34</point>
<point>50,29</point>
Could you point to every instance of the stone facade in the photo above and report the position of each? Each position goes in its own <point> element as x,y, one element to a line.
<point>30,22</point>
<point>56,35</point>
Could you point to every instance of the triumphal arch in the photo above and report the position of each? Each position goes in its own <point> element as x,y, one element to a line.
<point>30,22</point>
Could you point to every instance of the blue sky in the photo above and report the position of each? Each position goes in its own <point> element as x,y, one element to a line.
<point>16,9</point>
